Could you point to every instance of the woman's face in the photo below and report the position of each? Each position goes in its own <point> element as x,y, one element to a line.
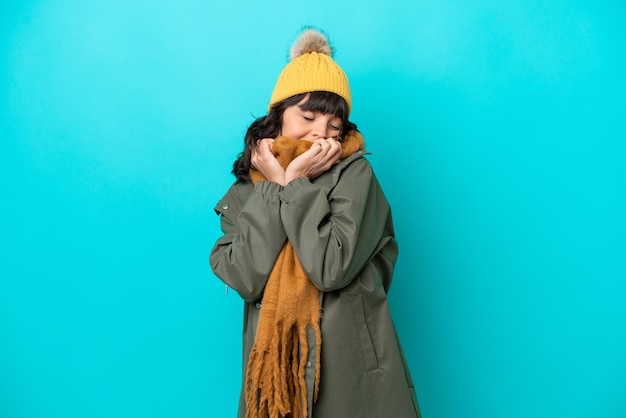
<point>307,125</point>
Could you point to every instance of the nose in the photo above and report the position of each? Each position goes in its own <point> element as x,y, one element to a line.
<point>320,129</point>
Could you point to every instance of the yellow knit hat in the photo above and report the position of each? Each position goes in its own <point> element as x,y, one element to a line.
<point>311,69</point>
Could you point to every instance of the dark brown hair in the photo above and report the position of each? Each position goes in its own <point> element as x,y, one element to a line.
<point>269,126</point>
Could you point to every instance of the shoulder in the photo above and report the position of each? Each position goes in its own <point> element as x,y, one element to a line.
<point>235,197</point>
<point>354,171</point>
<point>355,161</point>
<point>355,167</point>
<point>358,157</point>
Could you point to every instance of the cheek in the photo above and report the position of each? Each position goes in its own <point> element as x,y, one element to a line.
<point>292,129</point>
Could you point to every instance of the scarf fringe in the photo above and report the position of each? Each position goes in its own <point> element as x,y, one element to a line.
<point>275,383</point>
<point>283,369</point>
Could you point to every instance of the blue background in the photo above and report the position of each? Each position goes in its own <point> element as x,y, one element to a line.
<point>496,129</point>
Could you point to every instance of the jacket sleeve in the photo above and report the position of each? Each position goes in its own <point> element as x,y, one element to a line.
<point>336,233</point>
<point>244,256</point>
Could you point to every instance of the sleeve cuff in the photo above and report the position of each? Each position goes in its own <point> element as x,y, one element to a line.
<point>267,188</point>
<point>288,192</point>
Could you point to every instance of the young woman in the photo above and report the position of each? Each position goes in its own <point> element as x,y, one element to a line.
<point>309,245</point>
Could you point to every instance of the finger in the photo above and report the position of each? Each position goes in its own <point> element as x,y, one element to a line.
<point>334,144</point>
<point>319,143</point>
<point>324,147</point>
<point>333,148</point>
<point>266,148</point>
<point>264,141</point>
<point>314,151</point>
<point>333,155</point>
<point>330,150</point>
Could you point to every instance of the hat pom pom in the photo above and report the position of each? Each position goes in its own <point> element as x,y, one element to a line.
<point>311,40</point>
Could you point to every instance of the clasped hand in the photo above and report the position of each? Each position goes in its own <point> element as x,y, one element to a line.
<point>322,155</point>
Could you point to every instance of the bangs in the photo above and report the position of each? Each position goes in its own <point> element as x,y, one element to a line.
<point>326,102</point>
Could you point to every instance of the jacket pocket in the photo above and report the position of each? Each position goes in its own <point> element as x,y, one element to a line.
<point>363,333</point>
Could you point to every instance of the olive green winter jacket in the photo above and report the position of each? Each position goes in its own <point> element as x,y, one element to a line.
<point>341,229</point>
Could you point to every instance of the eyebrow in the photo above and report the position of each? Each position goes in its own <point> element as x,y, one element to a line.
<point>319,111</point>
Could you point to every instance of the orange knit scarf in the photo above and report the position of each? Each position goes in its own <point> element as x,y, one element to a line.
<point>275,385</point>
